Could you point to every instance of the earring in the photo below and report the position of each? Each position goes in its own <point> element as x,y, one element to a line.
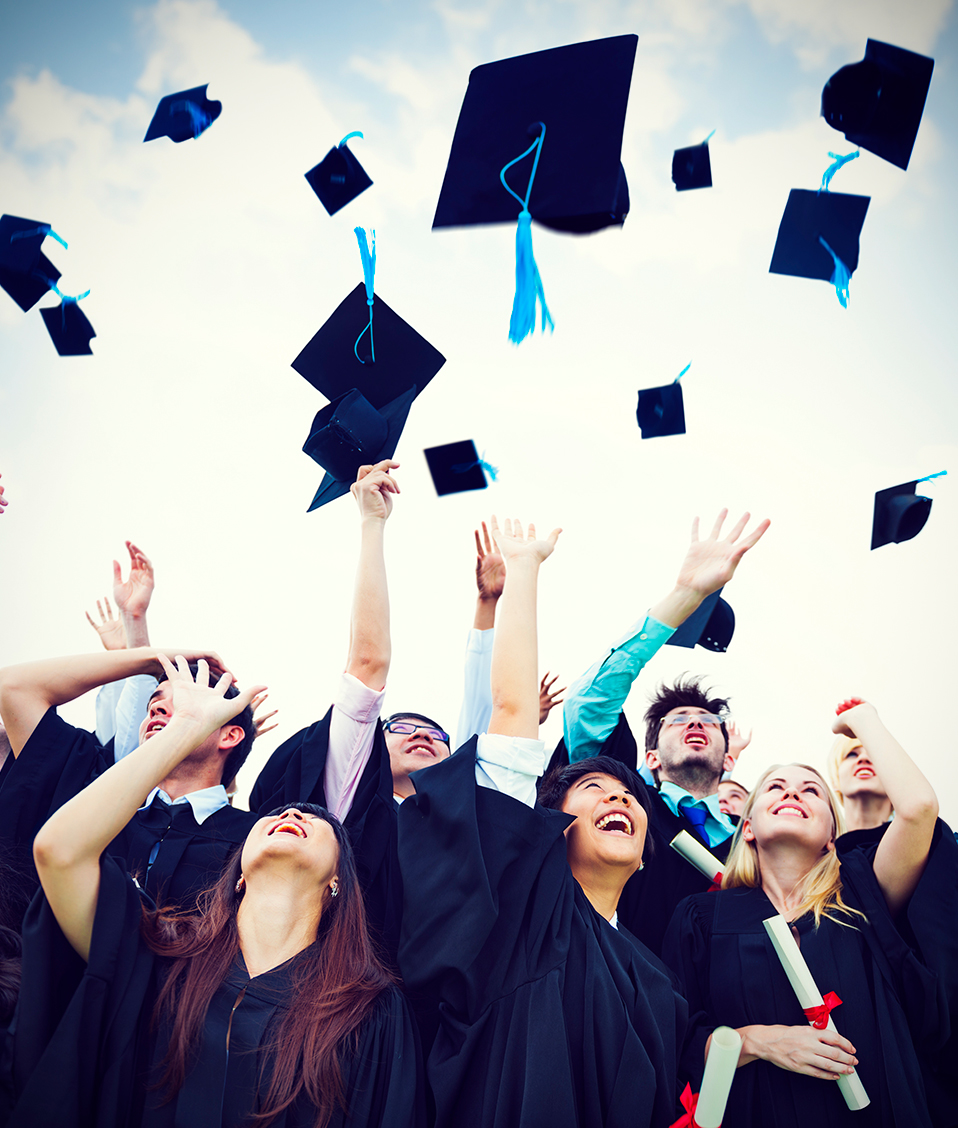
<point>334,887</point>
<point>641,867</point>
<point>241,884</point>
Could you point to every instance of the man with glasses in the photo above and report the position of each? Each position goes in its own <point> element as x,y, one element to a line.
<point>686,740</point>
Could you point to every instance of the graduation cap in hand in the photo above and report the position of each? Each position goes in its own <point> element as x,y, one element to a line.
<point>339,177</point>
<point>878,102</point>
<point>691,167</point>
<point>69,327</point>
<point>661,410</point>
<point>25,272</point>
<point>457,467</point>
<point>539,137</point>
<point>711,626</point>
<point>900,513</point>
<point>818,237</point>
<point>183,115</point>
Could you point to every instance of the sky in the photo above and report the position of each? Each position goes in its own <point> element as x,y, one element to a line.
<point>211,264</point>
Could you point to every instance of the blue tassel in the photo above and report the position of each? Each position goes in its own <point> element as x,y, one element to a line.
<point>682,373</point>
<point>488,468</point>
<point>928,477</point>
<point>198,116</point>
<point>841,275</point>
<point>65,300</point>
<point>355,133</point>
<point>44,229</point>
<point>369,275</point>
<point>528,283</point>
<point>837,163</point>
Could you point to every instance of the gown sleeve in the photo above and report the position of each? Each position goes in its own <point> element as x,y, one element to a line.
<point>688,951</point>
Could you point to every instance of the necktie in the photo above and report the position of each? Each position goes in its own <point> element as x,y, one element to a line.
<point>697,816</point>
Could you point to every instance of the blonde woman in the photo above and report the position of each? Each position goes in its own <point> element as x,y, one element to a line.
<point>842,906</point>
<point>864,800</point>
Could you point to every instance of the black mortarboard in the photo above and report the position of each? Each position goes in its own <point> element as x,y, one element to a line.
<point>711,626</point>
<point>878,102</point>
<point>403,358</point>
<point>339,177</point>
<point>579,92</point>
<point>25,272</point>
<point>691,167</point>
<point>810,217</point>
<point>67,324</point>
<point>183,115</point>
<point>350,432</point>
<point>456,467</point>
<point>900,514</point>
<point>661,411</point>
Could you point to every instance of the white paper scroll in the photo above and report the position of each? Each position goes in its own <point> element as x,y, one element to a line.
<point>704,861</point>
<point>720,1066</point>
<point>809,996</point>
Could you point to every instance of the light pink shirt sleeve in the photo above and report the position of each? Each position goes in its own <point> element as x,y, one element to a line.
<point>352,729</point>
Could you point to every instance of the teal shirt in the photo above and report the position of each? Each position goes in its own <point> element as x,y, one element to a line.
<point>717,826</point>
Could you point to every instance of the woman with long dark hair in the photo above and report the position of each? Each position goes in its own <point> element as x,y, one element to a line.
<point>848,910</point>
<point>269,1006</point>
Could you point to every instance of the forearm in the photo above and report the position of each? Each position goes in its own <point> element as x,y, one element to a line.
<point>137,633</point>
<point>910,793</point>
<point>370,648</point>
<point>676,607</point>
<point>515,679</point>
<point>485,616</point>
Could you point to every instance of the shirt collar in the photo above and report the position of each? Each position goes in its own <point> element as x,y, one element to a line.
<point>673,796</point>
<point>205,802</point>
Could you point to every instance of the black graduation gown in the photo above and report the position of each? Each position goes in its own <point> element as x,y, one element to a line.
<point>85,1049</point>
<point>299,763</point>
<point>546,1014</point>
<point>732,976</point>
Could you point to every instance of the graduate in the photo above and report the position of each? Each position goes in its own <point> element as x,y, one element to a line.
<point>848,909</point>
<point>546,1013</point>
<point>269,1001</point>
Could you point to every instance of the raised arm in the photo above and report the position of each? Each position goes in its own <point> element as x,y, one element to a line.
<point>132,596</point>
<point>515,657</point>
<point>68,847</point>
<point>27,691</point>
<point>595,700</point>
<point>370,647</point>
<point>903,851</point>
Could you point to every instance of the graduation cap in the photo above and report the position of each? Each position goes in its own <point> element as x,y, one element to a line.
<point>661,410</point>
<point>818,237</point>
<point>339,357</point>
<point>878,102</point>
<point>25,272</point>
<point>68,327</point>
<point>339,177</point>
<point>711,626</point>
<point>183,115</point>
<point>691,167</point>
<point>350,432</point>
<point>457,467</point>
<point>570,102</point>
<point>900,513</point>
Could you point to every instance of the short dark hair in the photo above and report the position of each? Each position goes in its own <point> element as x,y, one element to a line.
<point>421,717</point>
<point>554,785</point>
<point>237,757</point>
<point>683,694</point>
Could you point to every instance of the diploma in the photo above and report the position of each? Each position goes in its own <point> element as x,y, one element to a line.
<point>811,1001</point>
<point>703,860</point>
<point>724,1050</point>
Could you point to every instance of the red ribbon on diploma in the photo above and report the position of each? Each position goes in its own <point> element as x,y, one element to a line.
<point>689,1102</point>
<point>818,1016</point>
<point>716,884</point>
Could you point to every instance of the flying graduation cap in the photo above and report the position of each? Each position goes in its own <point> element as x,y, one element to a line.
<point>661,410</point>
<point>183,115</point>
<point>878,102</point>
<point>25,272</point>
<point>711,626</point>
<point>457,467</point>
<point>900,512</point>
<point>68,326</point>
<point>339,177</point>
<point>539,137</point>
<point>691,167</point>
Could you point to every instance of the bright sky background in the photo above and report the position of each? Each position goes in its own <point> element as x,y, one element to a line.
<point>211,263</point>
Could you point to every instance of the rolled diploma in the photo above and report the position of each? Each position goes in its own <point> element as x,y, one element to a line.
<point>720,1066</point>
<point>704,861</point>
<point>809,996</point>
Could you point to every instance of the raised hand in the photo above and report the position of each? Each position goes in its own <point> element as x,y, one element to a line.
<point>490,567</point>
<point>217,666</point>
<point>848,713</point>
<point>197,703</point>
<point>710,563</point>
<point>133,596</point>
<point>515,545</point>
<point>259,723</point>
<point>374,489</point>
<point>110,630</point>
<point>737,740</point>
<point>548,698</point>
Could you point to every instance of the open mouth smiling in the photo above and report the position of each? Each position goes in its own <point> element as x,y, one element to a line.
<point>616,822</point>
<point>864,772</point>
<point>289,828</point>
<point>697,738</point>
<point>789,809</point>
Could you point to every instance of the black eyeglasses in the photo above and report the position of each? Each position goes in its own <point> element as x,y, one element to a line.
<point>407,727</point>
